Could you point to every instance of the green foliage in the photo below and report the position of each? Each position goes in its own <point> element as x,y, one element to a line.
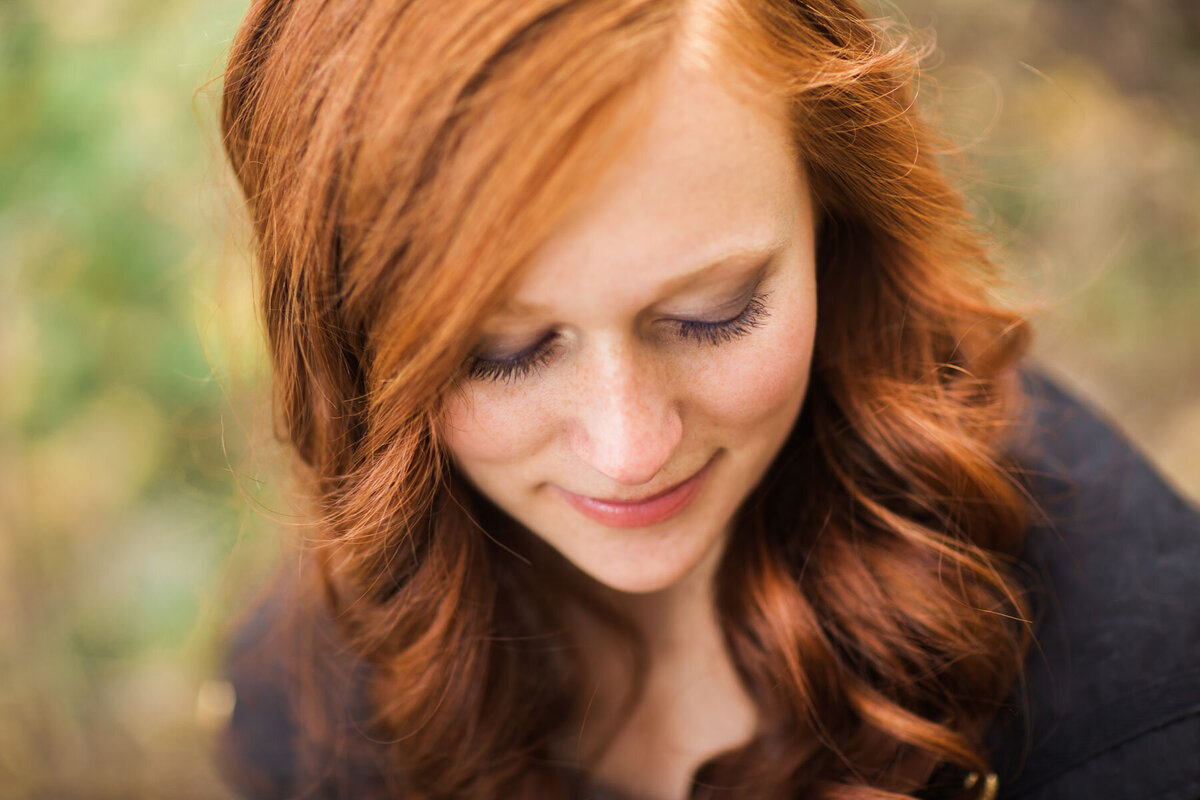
<point>120,509</point>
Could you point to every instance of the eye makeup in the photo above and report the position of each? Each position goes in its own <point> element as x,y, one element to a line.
<point>507,368</point>
<point>521,365</point>
<point>751,316</point>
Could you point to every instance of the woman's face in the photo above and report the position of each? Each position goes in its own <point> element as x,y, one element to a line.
<point>655,356</point>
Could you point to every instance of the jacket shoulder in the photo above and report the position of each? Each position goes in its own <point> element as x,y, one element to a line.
<point>300,723</point>
<point>1109,705</point>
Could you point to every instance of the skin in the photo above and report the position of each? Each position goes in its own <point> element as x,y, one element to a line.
<point>708,206</point>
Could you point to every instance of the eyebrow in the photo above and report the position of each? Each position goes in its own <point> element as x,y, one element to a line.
<point>741,259</point>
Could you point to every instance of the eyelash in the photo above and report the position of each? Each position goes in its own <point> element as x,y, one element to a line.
<point>510,369</point>
<point>715,333</point>
<point>711,333</point>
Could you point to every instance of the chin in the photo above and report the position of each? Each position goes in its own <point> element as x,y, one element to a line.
<point>648,566</point>
<point>641,581</point>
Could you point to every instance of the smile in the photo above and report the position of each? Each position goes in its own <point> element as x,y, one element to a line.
<point>639,513</point>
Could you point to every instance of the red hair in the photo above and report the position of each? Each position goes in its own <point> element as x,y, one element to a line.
<point>402,161</point>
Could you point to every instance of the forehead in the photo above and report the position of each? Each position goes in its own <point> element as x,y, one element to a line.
<point>712,174</point>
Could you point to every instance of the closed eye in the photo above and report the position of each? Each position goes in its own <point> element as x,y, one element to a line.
<point>752,316</point>
<point>513,367</point>
<point>521,365</point>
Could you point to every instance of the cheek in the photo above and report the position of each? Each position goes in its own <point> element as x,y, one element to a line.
<point>494,424</point>
<point>764,381</point>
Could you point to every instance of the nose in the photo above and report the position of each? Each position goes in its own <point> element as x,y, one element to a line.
<point>627,424</point>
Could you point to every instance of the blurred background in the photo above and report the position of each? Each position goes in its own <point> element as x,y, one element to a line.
<point>141,497</point>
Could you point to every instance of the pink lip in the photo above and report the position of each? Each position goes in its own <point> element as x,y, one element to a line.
<point>647,511</point>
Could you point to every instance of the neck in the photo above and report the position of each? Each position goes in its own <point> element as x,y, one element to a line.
<point>691,706</point>
<point>678,620</point>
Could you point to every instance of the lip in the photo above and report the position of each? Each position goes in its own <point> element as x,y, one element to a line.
<point>639,513</point>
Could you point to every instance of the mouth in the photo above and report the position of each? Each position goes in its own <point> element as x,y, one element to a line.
<point>642,512</point>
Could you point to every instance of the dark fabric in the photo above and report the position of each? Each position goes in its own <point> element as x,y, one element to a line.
<point>257,753</point>
<point>263,754</point>
<point>1109,707</point>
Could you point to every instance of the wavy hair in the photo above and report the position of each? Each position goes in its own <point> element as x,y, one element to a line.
<point>401,160</point>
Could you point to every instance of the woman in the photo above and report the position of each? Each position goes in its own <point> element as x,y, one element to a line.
<point>662,438</point>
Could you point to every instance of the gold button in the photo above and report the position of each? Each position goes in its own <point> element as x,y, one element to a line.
<point>991,785</point>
